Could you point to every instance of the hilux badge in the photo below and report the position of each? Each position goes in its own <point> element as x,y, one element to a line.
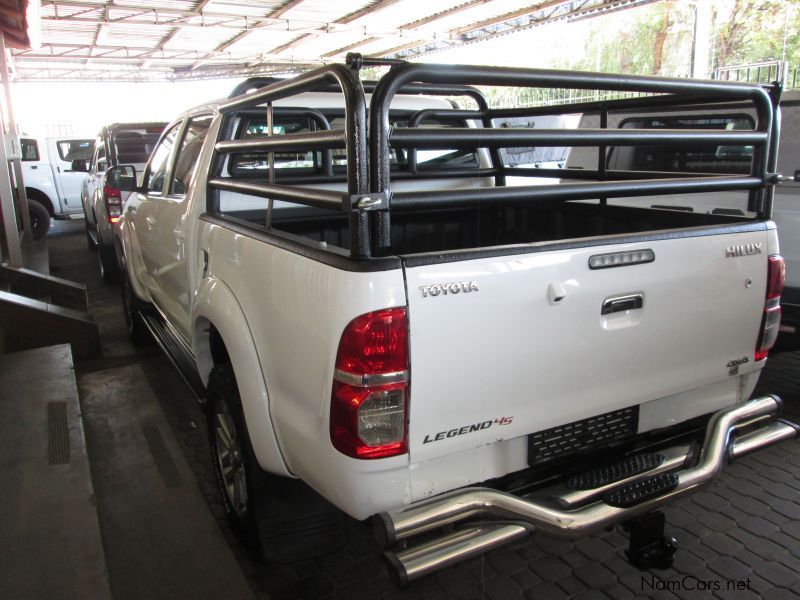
<point>742,250</point>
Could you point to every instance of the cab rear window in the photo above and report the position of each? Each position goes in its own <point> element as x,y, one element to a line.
<point>134,146</point>
<point>314,162</point>
<point>714,159</point>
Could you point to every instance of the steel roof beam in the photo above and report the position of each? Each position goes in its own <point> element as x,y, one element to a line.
<point>519,20</point>
<point>346,20</point>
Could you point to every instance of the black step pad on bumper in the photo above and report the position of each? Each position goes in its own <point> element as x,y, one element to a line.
<point>644,489</point>
<point>627,467</point>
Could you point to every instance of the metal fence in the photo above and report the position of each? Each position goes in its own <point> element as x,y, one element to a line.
<point>761,72</point>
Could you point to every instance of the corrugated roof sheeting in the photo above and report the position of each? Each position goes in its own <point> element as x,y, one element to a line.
<point>325,10</point>
<point>135,35</point>
<point>201,39</point>
<point>245,8</point>
<point>174,39</point>
<point>262,41</point>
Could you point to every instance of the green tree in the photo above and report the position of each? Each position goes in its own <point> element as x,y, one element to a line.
<point>754,30</point>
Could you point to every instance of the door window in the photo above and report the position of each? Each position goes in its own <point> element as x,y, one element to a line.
<point>157,169</point>
<point>100,160</point>
<point>69,150</point>
<point>30,150</point>
<point>188,154</point>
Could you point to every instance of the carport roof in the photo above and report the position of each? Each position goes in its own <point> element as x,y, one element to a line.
<point>135,40</point>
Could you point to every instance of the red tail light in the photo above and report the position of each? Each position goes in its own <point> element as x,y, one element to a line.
<point>369,399</point>
<point>112,198</point>
<point>770,322</point>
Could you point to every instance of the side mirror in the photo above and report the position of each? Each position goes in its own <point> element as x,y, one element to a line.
<point>80,165</point>
<point>122,177</point>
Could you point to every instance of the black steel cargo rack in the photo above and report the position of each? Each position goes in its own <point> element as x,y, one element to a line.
<point>369,201</point>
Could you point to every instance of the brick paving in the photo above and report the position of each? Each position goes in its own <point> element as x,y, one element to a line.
<point>739,538</point>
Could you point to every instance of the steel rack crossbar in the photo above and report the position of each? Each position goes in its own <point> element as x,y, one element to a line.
<point>293,142</point>
<point>459,198</point>
<point>465,137</point>
<point>300,195</point>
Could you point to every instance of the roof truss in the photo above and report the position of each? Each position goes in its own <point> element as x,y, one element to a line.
<point>188,39</point>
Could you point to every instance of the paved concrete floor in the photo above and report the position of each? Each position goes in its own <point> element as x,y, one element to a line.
<point>743,531</point>
<point>49,531</point>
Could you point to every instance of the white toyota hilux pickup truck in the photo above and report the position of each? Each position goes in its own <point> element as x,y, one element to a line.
<point>52,184</point>
<point>380,327</point>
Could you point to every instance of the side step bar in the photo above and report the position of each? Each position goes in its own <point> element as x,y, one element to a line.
<point>180,356</point>
<point>568,512</point>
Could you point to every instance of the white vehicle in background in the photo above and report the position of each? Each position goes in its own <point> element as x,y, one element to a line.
<point>52,185</point>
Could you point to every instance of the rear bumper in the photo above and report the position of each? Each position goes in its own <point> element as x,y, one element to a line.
<point>569,512</point>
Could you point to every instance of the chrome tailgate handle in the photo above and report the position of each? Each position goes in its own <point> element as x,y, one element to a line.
<point>622,303</point>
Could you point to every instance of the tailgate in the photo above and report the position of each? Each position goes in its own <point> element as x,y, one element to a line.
<point>495,355</point>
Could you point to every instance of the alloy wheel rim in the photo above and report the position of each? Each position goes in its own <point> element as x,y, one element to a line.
<point>230,459</point>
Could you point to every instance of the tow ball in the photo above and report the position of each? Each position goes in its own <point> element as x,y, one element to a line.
<point>648,547</point>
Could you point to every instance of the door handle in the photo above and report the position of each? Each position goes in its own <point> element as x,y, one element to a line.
<point>179,234</point>
<point>34,167</point>
<point>622,303</point>
<point>151,221</point>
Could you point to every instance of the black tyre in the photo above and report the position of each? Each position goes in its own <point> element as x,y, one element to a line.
<point>90,240</point>
<point>107,262</point>
<point>231,453</point>
<point>40,219</point>
<point>86,225</point>
<point>132,306</point>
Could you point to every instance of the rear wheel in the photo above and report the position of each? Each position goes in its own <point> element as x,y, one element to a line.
<point>282,517</point>
<point>132,306</point>
<point>89,239</point>
<point>231,453</point>
<point>40,219</point>
<point>107,262</point>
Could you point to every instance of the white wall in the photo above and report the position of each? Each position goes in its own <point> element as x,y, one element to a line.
<point>82,108</point>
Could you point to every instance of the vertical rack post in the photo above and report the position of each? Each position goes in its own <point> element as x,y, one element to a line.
<point>601,152</point>
<point>271,164</point>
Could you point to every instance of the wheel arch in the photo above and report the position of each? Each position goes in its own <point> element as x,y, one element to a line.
<point>42,198</point>
<point>219,332</point>
<point>127,258</point>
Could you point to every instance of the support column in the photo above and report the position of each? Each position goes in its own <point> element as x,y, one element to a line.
<point>22,196</point>
<point>12,252</point>
<point>701,46</point>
